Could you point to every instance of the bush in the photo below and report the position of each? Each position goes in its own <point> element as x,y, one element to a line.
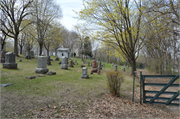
<point>114,80</point>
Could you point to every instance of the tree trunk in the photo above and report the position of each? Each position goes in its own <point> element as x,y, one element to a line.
<point>21,49</point>
<point>55,52</point>
<point>133,65</point>
<point>16,45</point>
<point>47,51</point>
<point>40,48</point>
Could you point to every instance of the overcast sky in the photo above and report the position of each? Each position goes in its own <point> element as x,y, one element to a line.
<point>67,7</point>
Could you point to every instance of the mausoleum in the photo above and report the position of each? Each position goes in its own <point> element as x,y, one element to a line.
<point>63,52</point>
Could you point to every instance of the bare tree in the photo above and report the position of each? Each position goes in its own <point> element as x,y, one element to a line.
<point>44,12</point>
<point>14,16</point>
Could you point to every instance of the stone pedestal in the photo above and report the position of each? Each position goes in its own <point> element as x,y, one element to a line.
<point>42,65</point>
<point>64,62</point>
<point>10,61</point>
<point>84,71</point>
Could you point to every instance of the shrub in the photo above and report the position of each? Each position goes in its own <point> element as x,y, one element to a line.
<point>114,80</point>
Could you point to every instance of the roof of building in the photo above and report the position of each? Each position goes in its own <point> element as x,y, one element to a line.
<point>63,49</point>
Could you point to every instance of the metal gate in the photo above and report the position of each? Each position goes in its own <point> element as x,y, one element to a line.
<point>156,99</point>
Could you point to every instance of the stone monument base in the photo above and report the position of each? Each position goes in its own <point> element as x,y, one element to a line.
<point>10,65</point>
<point>41,70</point>
<point>64,66</point>
<point>85,76</point>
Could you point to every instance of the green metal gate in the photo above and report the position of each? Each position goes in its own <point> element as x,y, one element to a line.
<point>156,99</point>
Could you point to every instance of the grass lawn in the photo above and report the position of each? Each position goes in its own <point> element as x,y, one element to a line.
<point>66,88</point>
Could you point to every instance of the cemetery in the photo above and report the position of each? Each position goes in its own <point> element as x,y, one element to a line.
<point>50,86</point>
<point>112,59</point>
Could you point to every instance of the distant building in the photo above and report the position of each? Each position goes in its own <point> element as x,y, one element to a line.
<point>63,52</point>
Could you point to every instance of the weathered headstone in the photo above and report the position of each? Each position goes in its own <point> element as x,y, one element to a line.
<point>3,53</point>
<point>32,54</point>
<point>75,60</point>
<point>84,71</point>
<point>122,68</point>
<point>59,63</point>
<point>115,68</point>
<point>57,59</point>
<point>41,65</point>
<point>88,64</point>
<point>112,65</point>
<point>20,60</point>
<point>48,60</point>
<point>28,56</point>
<point>100,66</point>
<point>71,63</point>
<point>64,62</point>
<point>10,61</point>
<point>94,67</point>
<point>77,63</point>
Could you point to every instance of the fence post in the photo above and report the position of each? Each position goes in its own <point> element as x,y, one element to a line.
<point>140,85</point>
<point>133,86</point>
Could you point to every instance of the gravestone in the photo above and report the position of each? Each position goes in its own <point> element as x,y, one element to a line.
<point>57,59</point>
<point>41,65</point>
<point>112,65</point>
<point>103,64</point>
<point>127,67</point>
<point>100,66</point>
<point>32,54</point>
<point>96,64</point>
<point>64,62</point>
<point>122,68</point>
<point>94,67</point>
<point>115,68</point>
<point>59,63</point>
<point>88,64</point>
<point>77,63</point>
<point>71,63</point>
<point>75,60</point>
<point>28,56</point>
<point>10,61</point>
<point>48,60</point>
<point>20,60</point>
<point>3,53</point>
<point>84,71</point>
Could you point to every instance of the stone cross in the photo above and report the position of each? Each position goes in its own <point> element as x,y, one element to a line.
<point>84,71</point>
<point>64,62</point>
<point>10,61</point>
<point>41,65</point>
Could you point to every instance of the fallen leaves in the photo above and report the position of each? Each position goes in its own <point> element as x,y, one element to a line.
<point>106,107</point>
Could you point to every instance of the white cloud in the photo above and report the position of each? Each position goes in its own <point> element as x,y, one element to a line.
<point>67,7</point>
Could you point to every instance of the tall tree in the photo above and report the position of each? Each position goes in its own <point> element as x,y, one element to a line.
<point>44,12</point>
<point>14,14</point>
<point>118,22</point>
